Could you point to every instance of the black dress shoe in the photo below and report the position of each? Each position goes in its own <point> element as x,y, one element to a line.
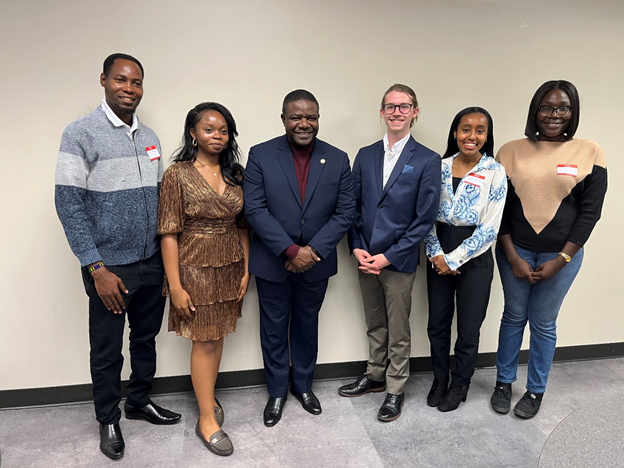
<point>111,441</point>
<point>363,385</point>
<point>273,411</point>
<point>152,413</point>
<point>438,389</point>
<point>309,402</point>
<point>455,395</point>
<point>391,408</point>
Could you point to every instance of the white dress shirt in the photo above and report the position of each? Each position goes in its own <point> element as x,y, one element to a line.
<point>391,155</point>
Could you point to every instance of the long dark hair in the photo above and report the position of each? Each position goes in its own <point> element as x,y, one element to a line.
<point>231,170</point>
<point>530,131</point>
<point>488,146</point>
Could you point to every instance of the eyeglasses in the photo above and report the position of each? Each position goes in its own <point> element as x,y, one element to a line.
<point>403,108</point>
<point>560,111</point>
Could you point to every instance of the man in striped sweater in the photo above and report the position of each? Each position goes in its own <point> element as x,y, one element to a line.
<point>107,181</point>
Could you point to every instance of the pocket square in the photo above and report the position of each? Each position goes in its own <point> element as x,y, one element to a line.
<point>407,169</point>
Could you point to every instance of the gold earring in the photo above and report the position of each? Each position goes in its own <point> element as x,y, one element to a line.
<point>194,142</point>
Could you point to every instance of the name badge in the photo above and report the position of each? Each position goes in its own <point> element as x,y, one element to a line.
<point>153,153</point>
<point>567,169</point>
<point>474,179</point>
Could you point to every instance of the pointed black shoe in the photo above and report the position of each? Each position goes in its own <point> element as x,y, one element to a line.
<point>273,411</point>
<point>309,402</point>
<point>111,441</point>
<point>438,389</point>
<point>152,413</point>
<point>363,385</point>
<point>391,408</point>
<point>453,397</point>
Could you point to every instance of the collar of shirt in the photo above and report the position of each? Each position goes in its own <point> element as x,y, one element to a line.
<point>397,148</point>
<point>117,122</point>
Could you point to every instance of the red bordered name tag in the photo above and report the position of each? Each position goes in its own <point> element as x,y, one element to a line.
<point>567,169</point>
<point>474,179</point>
<point>153,153</point>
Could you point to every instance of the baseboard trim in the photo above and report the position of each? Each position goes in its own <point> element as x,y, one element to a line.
<point>255,377</point>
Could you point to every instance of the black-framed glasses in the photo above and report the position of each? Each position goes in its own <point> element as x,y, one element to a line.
<point>562,111</point>
<point>403,108</point>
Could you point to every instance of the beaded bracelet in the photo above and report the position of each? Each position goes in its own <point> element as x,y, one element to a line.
<point>95,267</point>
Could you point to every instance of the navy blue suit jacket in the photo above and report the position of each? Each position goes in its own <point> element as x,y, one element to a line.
<point>394,220</point>
<point>274,210</point>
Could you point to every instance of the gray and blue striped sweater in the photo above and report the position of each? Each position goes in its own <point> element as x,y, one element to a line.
<point>107,191</point>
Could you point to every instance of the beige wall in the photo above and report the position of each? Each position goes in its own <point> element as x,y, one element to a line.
<point>248,55</point>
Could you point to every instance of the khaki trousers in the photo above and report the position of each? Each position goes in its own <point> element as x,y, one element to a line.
<point>387,299</point>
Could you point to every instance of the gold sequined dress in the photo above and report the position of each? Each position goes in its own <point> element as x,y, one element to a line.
<point>212,261</point>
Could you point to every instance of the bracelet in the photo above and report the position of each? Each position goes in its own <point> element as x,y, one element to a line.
<point>100,265</point>
<point>565,256</point>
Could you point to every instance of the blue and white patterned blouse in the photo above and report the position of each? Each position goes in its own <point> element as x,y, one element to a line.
<point>479,202</point>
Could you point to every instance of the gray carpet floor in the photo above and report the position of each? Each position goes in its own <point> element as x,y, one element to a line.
<point>347,433</point>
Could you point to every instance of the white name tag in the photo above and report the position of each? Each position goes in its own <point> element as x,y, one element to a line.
<point>567,169</point>
<point>153,153</point>
<point>474,179</point>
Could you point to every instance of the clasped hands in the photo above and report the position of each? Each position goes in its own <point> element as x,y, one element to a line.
<point>305,259</point>
<point>441,267</point>
<point>370,264</point>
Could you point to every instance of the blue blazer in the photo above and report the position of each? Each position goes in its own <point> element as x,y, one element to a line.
<point>274,210</point>
<point>394,220</point>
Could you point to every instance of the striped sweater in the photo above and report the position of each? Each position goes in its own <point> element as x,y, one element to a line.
<point>107,190</point>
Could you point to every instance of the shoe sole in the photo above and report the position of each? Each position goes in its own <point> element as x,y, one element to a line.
<point>500,409</point>
<point>393,418</point>
<point>523,415</point>
<point>157,423</point>
<point>372,390</point>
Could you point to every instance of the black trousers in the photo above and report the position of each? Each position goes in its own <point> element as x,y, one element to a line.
<point>144,307</point>
<point>289,331</point>
<point>471,288</point>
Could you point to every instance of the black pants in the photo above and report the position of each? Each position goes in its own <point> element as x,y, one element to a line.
<point>144,307</point>
<point>472,290</point>
<point>289,331</point>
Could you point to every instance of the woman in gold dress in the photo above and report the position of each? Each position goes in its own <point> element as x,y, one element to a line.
<point>205,248</point>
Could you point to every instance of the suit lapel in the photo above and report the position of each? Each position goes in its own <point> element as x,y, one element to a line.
<point>379,160</point>
<point>285,158</point>
<point>406,155</point>
<point>317,164</point>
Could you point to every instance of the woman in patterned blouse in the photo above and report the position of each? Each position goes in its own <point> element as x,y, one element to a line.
<point>472,199</point>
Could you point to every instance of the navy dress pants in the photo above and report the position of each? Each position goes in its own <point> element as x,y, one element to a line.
<point>289,314</point>
<point>144,307</point>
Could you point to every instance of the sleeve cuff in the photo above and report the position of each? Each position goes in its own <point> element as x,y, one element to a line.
<point>291,251</point>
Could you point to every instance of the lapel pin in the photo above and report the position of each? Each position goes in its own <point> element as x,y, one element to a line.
<point>322,161</point>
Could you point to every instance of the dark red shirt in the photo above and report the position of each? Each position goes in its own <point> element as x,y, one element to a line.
<point>301,157</point>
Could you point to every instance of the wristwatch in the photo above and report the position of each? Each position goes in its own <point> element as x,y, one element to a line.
<point>565,256</point>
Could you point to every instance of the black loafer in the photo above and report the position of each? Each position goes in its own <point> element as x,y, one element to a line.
<point>363,385</point>
<point>391,408</point>
<point>111,441</point>
<point>309,402</point>
<point>438,390</point>
<point>152,413</point>
<point>273,411</point>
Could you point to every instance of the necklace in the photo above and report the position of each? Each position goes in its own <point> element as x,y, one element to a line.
<point>206,165</point>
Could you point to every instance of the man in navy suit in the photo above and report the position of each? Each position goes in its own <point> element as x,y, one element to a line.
<point>397,190</point>
<point>299,201</point>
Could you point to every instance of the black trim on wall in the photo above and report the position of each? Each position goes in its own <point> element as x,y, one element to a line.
<point>255,377</point>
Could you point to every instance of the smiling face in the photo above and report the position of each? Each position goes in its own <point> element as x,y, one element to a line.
<point>301,122</point>
<point>398,123</point>
<point>552,127</point>
<point>123,88</point>
<point>211,133</point>
<point>471,134</point>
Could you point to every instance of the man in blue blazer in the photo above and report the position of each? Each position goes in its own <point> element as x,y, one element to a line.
<point>299,201</point>
<point>397,190</point>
